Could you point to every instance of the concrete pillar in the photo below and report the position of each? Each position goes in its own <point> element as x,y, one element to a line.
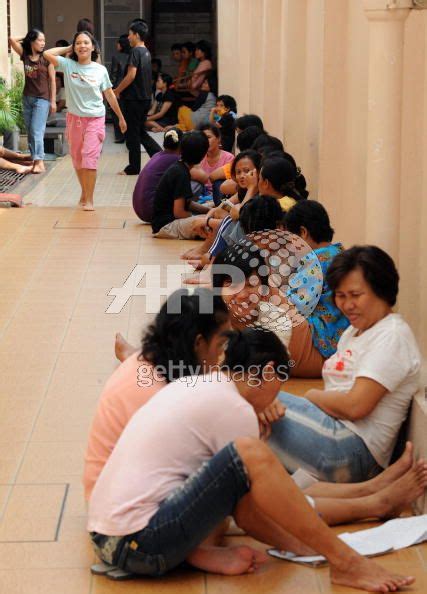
<point>386,20</point>
<point>272,85</point>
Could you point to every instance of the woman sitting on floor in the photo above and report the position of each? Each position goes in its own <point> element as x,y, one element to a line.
<point>161,501</point>
<point>151,174</point>
<point>173,205</point>
<point>164,111</point>
<point>173,342</point>
<point>315,339</point>
<point>198,115</point>
<point>346,432</point>
<point>215,157</point>
<point>203,53</point>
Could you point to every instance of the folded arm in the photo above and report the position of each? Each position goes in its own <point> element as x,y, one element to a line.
<point>353,405</point>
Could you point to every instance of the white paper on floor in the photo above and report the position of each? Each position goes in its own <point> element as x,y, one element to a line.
<point>391,536</point>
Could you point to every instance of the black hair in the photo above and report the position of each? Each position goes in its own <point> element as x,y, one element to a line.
<point>194,146</point>
<point>270,152</point>
<point>189,45</point>
<point>261,213</point>
<point>300,182</point>
<point>281,173</point>
<point>85,25</point>
<point>62,43</point>
<point>234,255</point>
<point>247,137</point>
<point>249,154</point>
<point>156,61</point>
<point>123,41</point>
<point>140,28</point>
<point>95,51</point>
<point>377,267</point>
<point>215,131</point>
<point>249,120</point>
<point>166,78</point>
<point>265,140</point>
<point>169,141</point>
<point>169,340</point>
<point>253,349</point>
<point>229,102</point>
<point>205,47</point>
<point>176,46</point>
<point>212,81</point>
<point>311,215</point>
<point>30,37</point>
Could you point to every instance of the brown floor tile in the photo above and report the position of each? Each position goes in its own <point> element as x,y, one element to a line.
<point>88,335</point>
<point>11,455</point>
<point>179,582</point>
<point>32,513</point>
<point>17,418</point>
<point>51,462</point>
<point>64,419</point>
<point>4,495</point>
<point>45,581</point>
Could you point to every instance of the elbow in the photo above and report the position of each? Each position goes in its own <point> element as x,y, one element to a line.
<point>355,414</point>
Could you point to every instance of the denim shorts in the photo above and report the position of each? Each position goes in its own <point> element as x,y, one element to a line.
<point>306,437</point>
<point>183,520</point>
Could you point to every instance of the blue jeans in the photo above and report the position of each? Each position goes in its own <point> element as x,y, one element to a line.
<point>183,520</point>
<point>36,111</point>
<point>306,437</point>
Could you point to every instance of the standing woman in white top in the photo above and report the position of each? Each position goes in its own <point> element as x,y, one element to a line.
<point>87,83</point>
<point>347,432</point>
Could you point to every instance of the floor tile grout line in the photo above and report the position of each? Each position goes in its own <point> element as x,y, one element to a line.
<point>61,512</point>
<point>50,375</point>
<point>27,285</point>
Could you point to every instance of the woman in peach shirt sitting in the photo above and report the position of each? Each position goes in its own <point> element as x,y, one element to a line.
<point>176,344</point>
<point>204,54</point>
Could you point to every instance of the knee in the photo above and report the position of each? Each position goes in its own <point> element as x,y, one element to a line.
<point>253,452</point>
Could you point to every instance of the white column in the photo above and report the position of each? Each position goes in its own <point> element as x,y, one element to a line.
<point>386,31</point>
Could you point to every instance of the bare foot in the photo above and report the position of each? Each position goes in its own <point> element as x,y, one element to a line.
<point>39,167</point>
<point>394,498</point>
<point>88,206</point>
<point>198,279</point>
<point>196,264</point>
<point>365,574</point>
<point>393,472</point>
<point>23,170</point>
<point>82,201</point>
<point>193,254</point>
<point>122,348</point>
<point>227,560</point>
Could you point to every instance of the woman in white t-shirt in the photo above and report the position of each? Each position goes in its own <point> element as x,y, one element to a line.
<point>347,431</point>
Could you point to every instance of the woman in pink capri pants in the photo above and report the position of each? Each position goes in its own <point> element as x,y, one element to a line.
<point>86,85</point>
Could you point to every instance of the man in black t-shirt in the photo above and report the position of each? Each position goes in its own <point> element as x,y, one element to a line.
<point>173,205</point>
<point>135,93</point>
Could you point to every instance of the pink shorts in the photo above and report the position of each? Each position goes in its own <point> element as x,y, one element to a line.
<point>85,137</point>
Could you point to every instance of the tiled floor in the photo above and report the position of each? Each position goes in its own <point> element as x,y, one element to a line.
<point>57,265</point>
